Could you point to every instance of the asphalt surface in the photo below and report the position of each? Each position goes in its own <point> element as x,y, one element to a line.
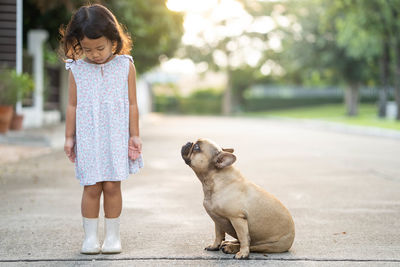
<point>342,188</point>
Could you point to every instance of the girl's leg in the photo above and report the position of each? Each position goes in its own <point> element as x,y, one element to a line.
<point>112,199</point>
<point>112,210</point>
<point>91,200</point>
<point>90,213</point>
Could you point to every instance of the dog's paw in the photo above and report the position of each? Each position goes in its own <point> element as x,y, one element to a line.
<point>229,242</point>
<point>226,242</point>
<point>230,248</point>
<point>211,248</point>
<point>242,255</point>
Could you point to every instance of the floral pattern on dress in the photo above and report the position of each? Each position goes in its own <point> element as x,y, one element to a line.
<point>102,121</point>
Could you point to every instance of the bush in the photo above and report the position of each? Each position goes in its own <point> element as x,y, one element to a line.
<point>202,101</point>
<point>166,104</point>
<point>271,103</point>
<point>14,87</point>
<point>274,103</point>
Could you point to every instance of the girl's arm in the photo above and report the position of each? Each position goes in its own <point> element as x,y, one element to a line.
<point>133,108</point>
<point>135,144</point>
<point>70,119</point>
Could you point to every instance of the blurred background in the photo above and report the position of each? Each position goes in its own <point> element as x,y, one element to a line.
<point>325,75</point>
<point>332,60</point>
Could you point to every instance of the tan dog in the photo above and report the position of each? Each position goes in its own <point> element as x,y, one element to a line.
<point>238,207</point>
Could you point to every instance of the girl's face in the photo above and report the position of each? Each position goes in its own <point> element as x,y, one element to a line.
<point>97,50</point>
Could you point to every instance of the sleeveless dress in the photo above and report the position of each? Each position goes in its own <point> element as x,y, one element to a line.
<point>102,121</point>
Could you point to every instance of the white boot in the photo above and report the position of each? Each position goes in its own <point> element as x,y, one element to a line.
<point>112,241</point>
<point>91,243</point>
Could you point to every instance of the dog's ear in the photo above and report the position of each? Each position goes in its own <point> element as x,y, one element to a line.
<point>224,159</point>
<point>230,150</point>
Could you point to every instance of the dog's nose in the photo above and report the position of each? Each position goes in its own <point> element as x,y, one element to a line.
<point>186,148</point>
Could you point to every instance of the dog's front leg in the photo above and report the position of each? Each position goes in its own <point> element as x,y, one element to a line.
<point>242,232</point>
<point>219,237</point>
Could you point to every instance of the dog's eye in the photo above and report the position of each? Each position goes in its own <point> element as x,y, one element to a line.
<point>196,148</point>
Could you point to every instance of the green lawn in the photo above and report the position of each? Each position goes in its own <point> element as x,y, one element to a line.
<point>335,113</point>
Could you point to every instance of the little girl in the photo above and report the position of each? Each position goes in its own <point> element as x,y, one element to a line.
<point>102,131</point>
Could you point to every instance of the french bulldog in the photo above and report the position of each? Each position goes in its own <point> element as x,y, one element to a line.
<point>238,207</point>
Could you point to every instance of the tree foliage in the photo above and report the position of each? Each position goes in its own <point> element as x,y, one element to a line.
<point>155,30</point>
<point>345,43</point>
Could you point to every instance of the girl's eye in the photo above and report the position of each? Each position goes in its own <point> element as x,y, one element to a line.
<point>196,147</point>
<point>100,49</point>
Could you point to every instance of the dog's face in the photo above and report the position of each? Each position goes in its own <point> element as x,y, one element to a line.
<point>205,155</point>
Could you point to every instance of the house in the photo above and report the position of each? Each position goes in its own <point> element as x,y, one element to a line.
<point>11,33</point>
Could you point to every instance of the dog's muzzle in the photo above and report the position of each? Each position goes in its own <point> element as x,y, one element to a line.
<point>185,151</point>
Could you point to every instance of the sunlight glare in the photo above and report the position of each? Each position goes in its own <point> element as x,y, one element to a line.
<point>191,5</point>
<point>262,24</point>
<point>175,65</point>
<point>207,22</point>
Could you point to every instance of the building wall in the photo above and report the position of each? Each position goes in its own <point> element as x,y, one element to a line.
<point>8,32</point>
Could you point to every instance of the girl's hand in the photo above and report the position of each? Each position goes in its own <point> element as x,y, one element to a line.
<point>135,147</point>
<point>69,148</point>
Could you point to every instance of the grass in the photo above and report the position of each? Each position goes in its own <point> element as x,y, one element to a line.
<point>334,113</point>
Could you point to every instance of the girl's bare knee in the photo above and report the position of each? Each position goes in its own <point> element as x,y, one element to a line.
<point>112,188</point>
<point>93,191</point>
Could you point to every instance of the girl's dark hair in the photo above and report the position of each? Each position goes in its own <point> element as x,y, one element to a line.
<point>93,21</point>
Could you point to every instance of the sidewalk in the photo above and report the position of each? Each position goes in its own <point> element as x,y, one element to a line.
<point>18,145</point>
<point>341,188</point>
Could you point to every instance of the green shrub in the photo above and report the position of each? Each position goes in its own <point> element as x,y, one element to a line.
<point>13,86</point>
<point>202,101</point>
<point>274,103</point>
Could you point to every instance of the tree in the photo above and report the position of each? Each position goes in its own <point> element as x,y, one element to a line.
<point>394,7</point>
<point>362,33</point>
<point>235,49</point>
<point>339,42</point>
<point>310,53</point>
<point>369,30</point>
<point>336,42</point>
<point>155,30</point>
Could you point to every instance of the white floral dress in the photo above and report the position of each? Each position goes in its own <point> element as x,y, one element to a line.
<point>102,121</point>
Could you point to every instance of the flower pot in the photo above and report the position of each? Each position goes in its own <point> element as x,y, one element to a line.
<point>6,113</point>
<point>16,122</point>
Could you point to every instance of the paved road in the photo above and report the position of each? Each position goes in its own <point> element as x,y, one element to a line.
<point>342,189</point>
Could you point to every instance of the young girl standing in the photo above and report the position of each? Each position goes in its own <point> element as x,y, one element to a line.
<point>102,130</point>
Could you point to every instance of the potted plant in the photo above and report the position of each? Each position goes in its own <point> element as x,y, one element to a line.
<point>13,88</point>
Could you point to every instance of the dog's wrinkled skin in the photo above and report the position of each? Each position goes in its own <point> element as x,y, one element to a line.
<point>238,207</point>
